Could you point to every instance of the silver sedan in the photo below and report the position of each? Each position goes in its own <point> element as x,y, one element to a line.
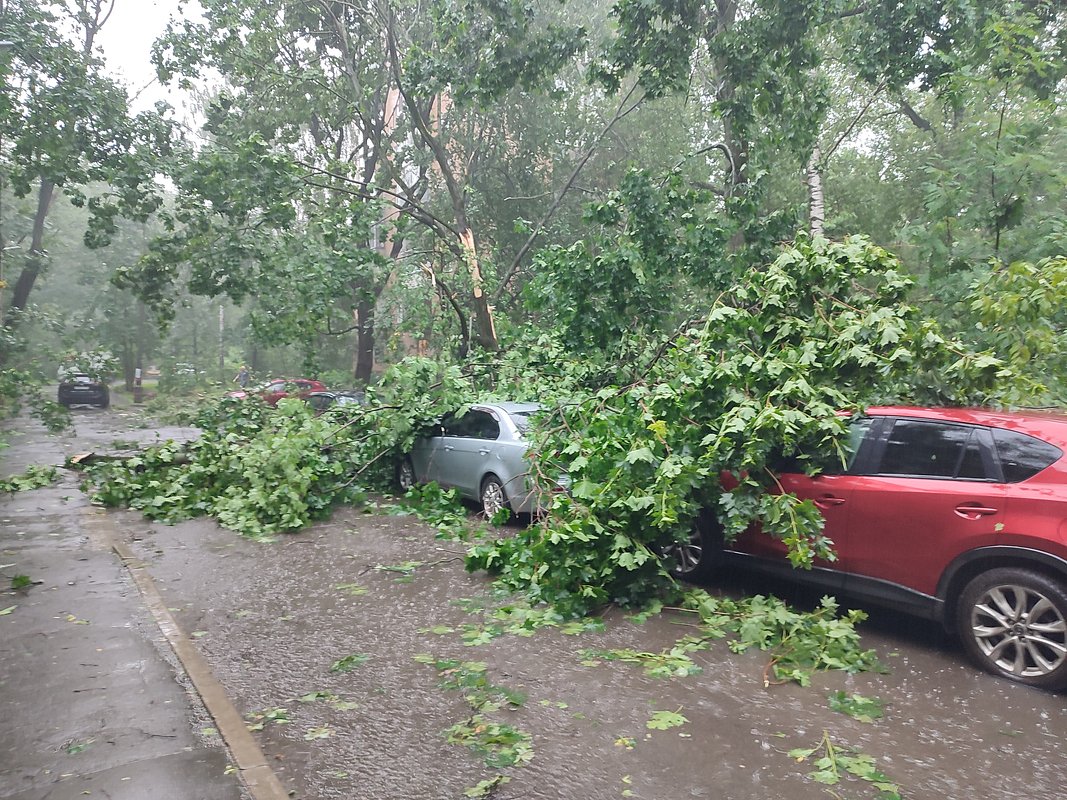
<point>481,454</point>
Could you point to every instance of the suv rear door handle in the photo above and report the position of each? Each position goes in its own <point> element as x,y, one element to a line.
<point>484,451</point>
<point>974,511</point>
<point>828,500</point>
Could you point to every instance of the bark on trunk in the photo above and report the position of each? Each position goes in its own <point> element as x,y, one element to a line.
<point>36,256</point>
<point>364,342</point>
<point>816,207</point>
<point>128,365</point>
<point>484,328</point>
<point>724,20</point>
<point>428,126</point>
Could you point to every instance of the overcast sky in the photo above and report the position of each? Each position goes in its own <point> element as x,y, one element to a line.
<point>127,39</point>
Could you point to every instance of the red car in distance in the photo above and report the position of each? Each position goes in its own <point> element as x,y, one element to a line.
<point>274,390</point>
<point>955,515</point>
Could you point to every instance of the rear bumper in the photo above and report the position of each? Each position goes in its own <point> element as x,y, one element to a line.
<point>90,395</point>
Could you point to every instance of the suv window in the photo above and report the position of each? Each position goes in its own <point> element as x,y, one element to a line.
<point>927,449</point>
<point>827,464</point>
<point>1023,456</point>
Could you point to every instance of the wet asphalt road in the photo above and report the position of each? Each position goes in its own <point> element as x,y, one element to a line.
<point>271,619</point>
<point>92,701</point>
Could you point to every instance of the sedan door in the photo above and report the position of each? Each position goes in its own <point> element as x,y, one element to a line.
<point>465,448</point>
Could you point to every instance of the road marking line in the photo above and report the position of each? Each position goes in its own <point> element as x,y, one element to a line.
<point>255,772</point>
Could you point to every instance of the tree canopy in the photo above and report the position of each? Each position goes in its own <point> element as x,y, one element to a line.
<point>696,231</point>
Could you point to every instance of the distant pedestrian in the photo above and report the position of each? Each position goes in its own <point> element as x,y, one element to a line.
<point>241,378</point>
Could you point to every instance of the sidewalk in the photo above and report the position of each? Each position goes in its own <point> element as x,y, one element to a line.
<point>92,700</point>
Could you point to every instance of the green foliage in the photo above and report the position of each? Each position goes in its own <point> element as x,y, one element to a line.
<point>833,762</point>
<point>479,50</point>
<point>19,582</point>
<point>499,744</point>
<point>765,374</point>
<point>257,471</point>
<point>652,244</point>
<point>471,679</point>
<point>100,365</point>
<point>33,477</point>
<point>487,787</point>
<point>1021,312</point>
<point>665,720</point>
<point>799,643</point>
<point>672,663</point>
<point>439,508</point>
<point>51,84</point>
<point>349,662</point>
<point>262,471</point>
<point>258,720</point>
<point>864,709</point>
<point>19,388</point>
<point>517,618</point>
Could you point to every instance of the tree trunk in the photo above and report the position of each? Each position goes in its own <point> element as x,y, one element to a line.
<point>36,256</point>
<point>93,17</point>
<point>725,17</point>
<point>364,342</point>
<point>142,337</point>
<point>222,345</point>
<point>816,207</point>
<point>428,127</point>
<point>484,328</point>
<point>128,364</point>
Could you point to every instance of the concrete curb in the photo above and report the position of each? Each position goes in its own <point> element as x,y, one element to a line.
<point>256,774</point>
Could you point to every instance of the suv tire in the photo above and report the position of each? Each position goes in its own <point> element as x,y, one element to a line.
<point>700,554</point>
<point>1013,623</point>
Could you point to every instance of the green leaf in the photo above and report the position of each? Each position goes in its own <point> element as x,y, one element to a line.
<point>349,662</point>
<point>664,720</point>
<point>864,709</point>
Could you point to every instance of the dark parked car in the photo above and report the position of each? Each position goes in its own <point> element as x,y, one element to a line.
<point>959,516</point>
<point>481,454</point>
<point>273,391</point>
<point>82,389</point>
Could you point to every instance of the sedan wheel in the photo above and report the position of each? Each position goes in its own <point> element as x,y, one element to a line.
<point>1013,623</point>
<point>493,497</point>
<point>405,475</point>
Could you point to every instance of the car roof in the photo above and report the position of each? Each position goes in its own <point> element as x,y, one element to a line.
<point>512,408</point>
<point>1048,424</point>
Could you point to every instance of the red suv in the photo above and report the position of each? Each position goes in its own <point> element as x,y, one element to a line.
<point>955,515</point>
